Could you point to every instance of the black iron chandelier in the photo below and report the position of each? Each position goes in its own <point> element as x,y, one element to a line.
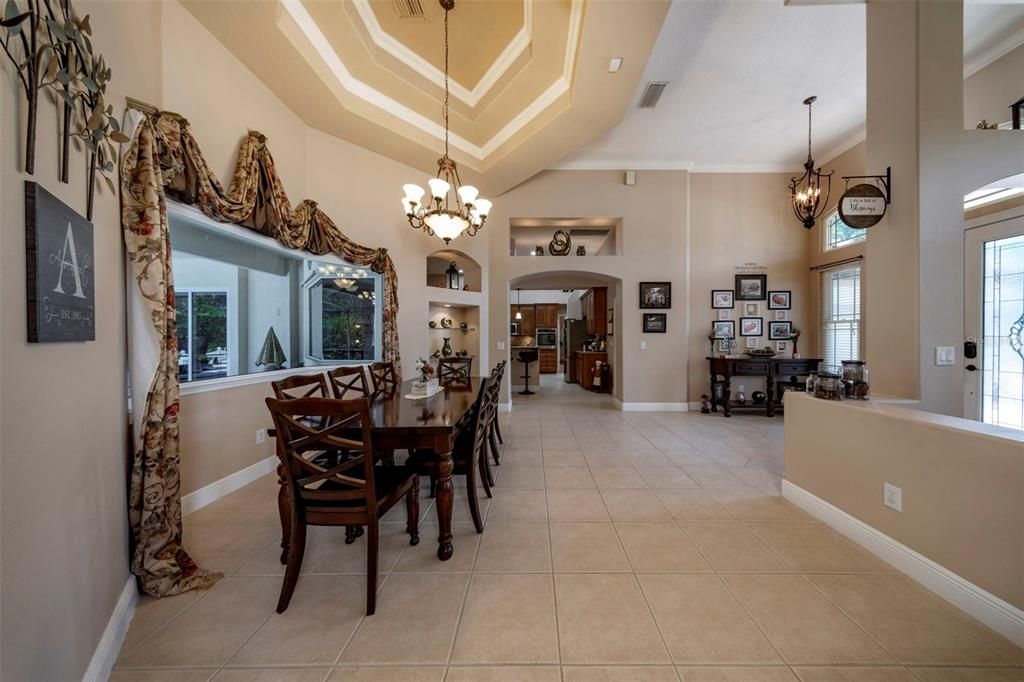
<point>806,190</point>
<point>440,216</point>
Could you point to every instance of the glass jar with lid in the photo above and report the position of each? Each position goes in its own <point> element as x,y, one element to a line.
<point>855,379</point>
<point>828,385</point>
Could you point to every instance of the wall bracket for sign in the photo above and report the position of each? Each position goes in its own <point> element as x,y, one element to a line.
<point>864,205</point>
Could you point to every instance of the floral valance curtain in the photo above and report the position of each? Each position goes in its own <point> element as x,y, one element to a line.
<point>163,159</point>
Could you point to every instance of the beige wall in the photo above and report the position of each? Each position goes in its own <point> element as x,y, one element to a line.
<point>737,219</point>
<point>63,434</point>
<point>989,92</point>
<point>962,484</point>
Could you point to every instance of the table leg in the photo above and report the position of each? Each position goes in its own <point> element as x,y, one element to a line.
<point>444,502</point>
<point>714,401</point>
<point>726,393</point>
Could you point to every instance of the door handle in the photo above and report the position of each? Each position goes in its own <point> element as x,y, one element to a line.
<point>971,368</point>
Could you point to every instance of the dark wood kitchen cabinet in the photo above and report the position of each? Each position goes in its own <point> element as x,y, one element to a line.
<point>546,315</point>
<point>594,306</point>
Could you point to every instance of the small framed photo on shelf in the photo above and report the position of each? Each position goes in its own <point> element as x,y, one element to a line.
<point>752,310</point>
<point>780,300</point>
<point>655,323</point>
<point>780,331</point>
<point>724,329</point>
<point>782,346</point>
<point>752,326</point>
<point>723,298</point>
<point>655,294</point>
<point>751,287</point>
<point>780,315</point>
<point>725,314</point>
<point>725,346</point>
<point>752,343</point>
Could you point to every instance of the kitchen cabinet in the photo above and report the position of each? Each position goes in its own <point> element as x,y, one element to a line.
<point>584,361</point>
<point>546,315</point>
<point>528,324</point>
<point>594,305</point>
<point>548,360</point>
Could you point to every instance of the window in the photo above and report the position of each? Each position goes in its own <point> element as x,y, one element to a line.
<point>344,317</point>
<point>840,314</point>
<point>838,234</point>
<point>202,321</point>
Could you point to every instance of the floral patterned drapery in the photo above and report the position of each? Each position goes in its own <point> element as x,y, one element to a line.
<point>163,159</point>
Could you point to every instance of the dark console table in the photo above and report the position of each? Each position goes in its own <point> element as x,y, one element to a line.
<point>779,373</point>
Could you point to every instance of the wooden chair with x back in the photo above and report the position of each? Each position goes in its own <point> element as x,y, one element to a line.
<point>349,383</point>
<point>455,370</point>
<point>384,377</point>
<point>353,492</point>
<point>495,430</point>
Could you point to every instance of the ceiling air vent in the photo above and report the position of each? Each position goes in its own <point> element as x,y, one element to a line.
<point>409,9</point>
<point>652,93</point>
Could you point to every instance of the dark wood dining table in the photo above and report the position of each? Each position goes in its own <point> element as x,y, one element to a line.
<point>429,424</point>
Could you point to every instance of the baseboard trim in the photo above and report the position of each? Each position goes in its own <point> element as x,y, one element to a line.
<point>109,647</point>
<point>994,612</point>
<point>694,406</point>
<point>214,491</point>
<point>652,407</point>
<point>504,407</point>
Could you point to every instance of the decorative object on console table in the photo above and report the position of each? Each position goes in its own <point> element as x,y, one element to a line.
<point>60,270</point>
<point>655,323</point>
<point>772,370</point>
<point>446,349</point>
<point>751,287</point>
<point>655,295</point>
<point>723,298</point>
<point>794,337</point>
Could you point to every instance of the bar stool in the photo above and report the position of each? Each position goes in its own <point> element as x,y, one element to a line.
<point>526,357</point>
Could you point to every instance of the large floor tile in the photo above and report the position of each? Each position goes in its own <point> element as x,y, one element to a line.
<point>415,621</point>
<point>272,675</point>
<point>514,548</point>
<point>349,673</point>
<point>587,547</point>
<point>658,547</point>
<point>619,673</point>
<point>736,674</point>
<point>759,505</point>
<point>504,673</point>
<point>802,625</point>
<point>701,622</point>
<point>212,629</point>
<point>422,558</point>
<point>665,477</point>
<point>508,618</point>
<point>151,614</point>
<point>615,477</point>
<point>816,548</point>
<point>858,674</point>
<point>157,675</point>
<point>731,548</point>
<point>568,478</point>
<point>559,457</point>
<point>576,505</point>
<point>226,548</point>
<point>514,476</point>
<point>714,477</point>
<point>337,557</point>
<point>967,674</point>
<point>518,506</point>
<point>692,505</point>
<point>903,622</point>
<point>634,505</point>
<point>604,618</point>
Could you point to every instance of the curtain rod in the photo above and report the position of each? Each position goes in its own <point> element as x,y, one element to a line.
<point>146,108</point>
<point>838,262</point>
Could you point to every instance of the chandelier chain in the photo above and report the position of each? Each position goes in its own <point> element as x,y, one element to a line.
<point>809,105</point>
<point>446,83</point>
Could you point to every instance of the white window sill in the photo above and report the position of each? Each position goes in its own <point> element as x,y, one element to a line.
<point>225,383</point>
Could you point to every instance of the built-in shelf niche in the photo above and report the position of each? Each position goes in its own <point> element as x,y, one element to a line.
<point>439,262</point>
<point>597,236</point>
<point>461,339</point>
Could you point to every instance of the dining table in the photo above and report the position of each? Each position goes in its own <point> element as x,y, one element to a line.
<point>425,424</point>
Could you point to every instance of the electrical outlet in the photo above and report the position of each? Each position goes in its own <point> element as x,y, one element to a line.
<point>261,436</point>
<point>893,497</point>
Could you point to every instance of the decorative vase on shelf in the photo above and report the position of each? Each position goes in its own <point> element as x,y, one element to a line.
<point>446,349</point>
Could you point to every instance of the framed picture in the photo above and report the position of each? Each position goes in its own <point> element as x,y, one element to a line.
<point>751,287</point>
<point>782,346</point>
<point>780,300</point>
<point>752,326</point>
<point>752,310</point>
<point>724,329</point>
<point>725,314</point>
<point>780,315</point>
<point>655,323</point>
<point>780,331</point>
<point>725,346</point>
<point>723,298</point>
<point>752,343</point>
<point>60,269</point>
<point>655,294</point>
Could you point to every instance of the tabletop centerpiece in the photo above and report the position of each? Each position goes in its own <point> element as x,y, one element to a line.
<point>427,383</point>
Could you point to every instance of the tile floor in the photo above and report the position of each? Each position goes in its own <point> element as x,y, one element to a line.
<point>618,546</point>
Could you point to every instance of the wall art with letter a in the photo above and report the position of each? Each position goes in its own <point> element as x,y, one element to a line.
<point>60,270</point>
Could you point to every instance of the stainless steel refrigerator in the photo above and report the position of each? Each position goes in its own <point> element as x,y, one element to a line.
<point>574,335</point>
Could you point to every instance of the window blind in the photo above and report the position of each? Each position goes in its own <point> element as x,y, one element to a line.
<point>840,319</point>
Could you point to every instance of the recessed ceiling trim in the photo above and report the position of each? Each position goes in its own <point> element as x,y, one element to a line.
<point>402,53</point>
<point>620,165</point>
<point>309,29</point>
<point>1003,47</point>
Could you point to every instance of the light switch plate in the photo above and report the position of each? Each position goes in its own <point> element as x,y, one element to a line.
<point>945,356</point>
<point>501,345</point>
<point>643,345</point>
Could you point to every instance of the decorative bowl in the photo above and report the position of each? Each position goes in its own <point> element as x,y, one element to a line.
<point>446,322</point>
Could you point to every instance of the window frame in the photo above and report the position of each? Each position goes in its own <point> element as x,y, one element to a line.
<point>306,318</point>
<point>824,323</point>
<point>830,218</point>
<point>229,327</point>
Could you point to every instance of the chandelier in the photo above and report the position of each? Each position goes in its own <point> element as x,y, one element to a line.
<point>440,215</point>
<point>806,189</point>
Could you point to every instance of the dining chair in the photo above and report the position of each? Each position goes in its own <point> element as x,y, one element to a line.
<point>352,492</point>
<point>498,373</point>
<point>384,377</point>
<point>469,453</point>
<point>455,370</point>
<point>349,383</point>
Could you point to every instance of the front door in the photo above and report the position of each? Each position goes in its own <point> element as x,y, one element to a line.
<point>994,321</point>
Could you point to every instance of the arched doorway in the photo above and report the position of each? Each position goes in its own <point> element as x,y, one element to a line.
<point>581,306</point>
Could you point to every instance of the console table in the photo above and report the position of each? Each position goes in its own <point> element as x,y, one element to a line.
<point>777,373</point>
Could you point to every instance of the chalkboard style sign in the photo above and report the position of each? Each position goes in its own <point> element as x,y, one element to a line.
<point>60,268</point>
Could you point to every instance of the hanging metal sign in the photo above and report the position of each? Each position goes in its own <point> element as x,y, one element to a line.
<point>863,205</point>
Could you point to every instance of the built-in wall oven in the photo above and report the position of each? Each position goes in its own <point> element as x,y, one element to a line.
<point>547,338</point>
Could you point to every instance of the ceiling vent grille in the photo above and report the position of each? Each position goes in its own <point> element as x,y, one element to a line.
<point>652,93</point>
<point>409,9</point>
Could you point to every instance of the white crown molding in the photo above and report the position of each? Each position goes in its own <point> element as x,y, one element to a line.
<point>309,29</point>
<point>994,612</point>
<point>497,69</point>
<point>619,165</point>
<point>1003,47</point>
<point>742,168</point>
<point>109,646</point>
